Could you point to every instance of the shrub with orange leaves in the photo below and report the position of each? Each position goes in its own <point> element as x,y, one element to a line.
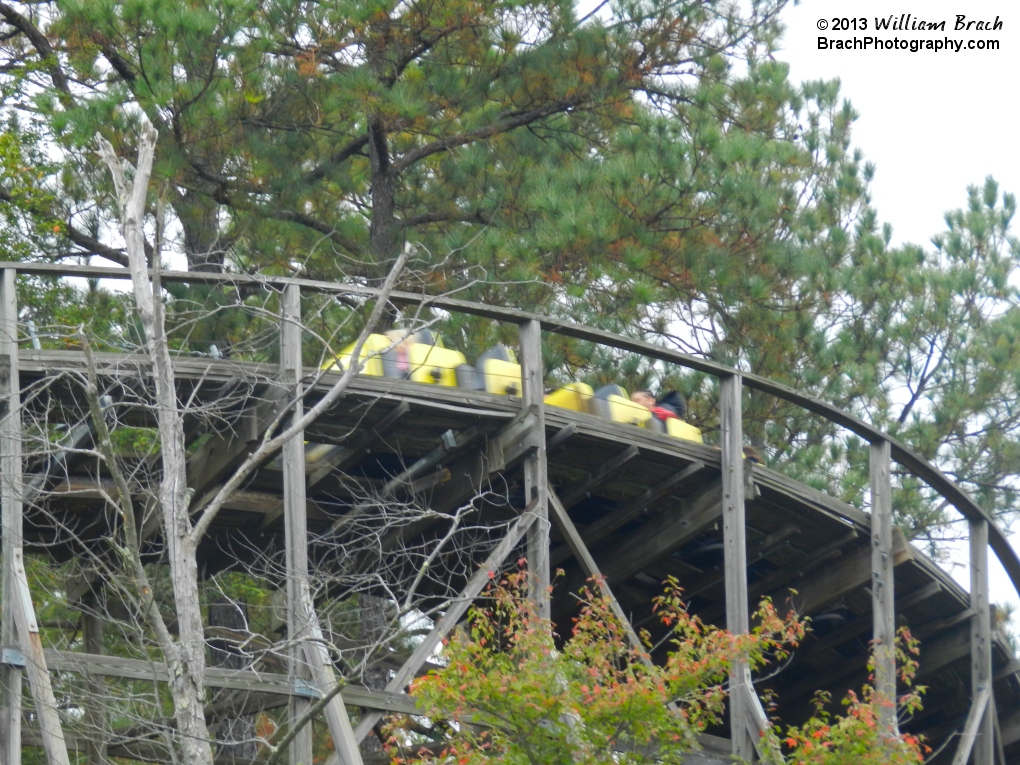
<point>511,693</point>
<point>856,736</point>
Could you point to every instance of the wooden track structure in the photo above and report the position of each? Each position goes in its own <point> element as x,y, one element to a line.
<point>592,497</point>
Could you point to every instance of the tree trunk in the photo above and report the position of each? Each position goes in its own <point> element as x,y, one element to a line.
<point>199,215</point>
<point>185,657</point>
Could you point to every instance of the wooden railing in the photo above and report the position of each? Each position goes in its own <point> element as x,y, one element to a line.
<point>747,717</point>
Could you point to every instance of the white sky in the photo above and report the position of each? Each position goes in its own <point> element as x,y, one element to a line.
<point>931,122</point>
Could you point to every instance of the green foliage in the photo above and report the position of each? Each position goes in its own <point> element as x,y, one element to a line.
<point>511,692</point>
<point>513,696</point>
<point>828,739</point>
<point>616,170</point>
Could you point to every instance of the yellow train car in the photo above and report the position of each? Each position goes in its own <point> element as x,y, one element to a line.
<point>371,353</point>
<point>576,397</point>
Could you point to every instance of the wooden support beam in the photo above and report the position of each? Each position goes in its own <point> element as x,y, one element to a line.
<point>246,680</point>
<point>325,679</point>
<point>222,452</point>
<point>844,574</point>
<point>560,438</point>
<point>468,475</point>
<point>574,494</point>
<point>883,591</point>
<point>860,626</point>
<point>309,660</point>
<point>747,718</point>
<point>581,553</point>
<point>980,645</point>
<point>343,457</point>
<point>357,444</point>
<point>295,520</point>
<point>768,545</point>
<point>19,627</point>
<point>95,716</point>
<point>536,470</point>
<point>10,501</point>
<point>936,654</point>
<point>450,445</point>
<point>594,532</point>
<point>449,619</point>
<point>35,667</point>
<point>972,728</point>
<point>660,536</point>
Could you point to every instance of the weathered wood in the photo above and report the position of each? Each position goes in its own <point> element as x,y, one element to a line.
<point>766,546</point>
<point>295,521</point>
<point>450,445</point>
<point>916,464</point>
<point>574,494</point>
<point>844,574</point>
<point>883,590</point>
<point>658,537</point>
<point>35,667</point>
<point>453,615</point>
<point>980,643</point>
<point>581,553</point>
<point>247,680</point>
<point>747,719</point>
<point>95,715</point>
<point>606,525</point>
<point>355,446</point>
<point>536,471</point>
<point>10,500</point>
<point>325,678</point>
<point>972,729</point>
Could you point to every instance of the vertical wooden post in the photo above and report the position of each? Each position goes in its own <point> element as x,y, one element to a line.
<point>536,475</point>
<point>883,591</point>
<point>981,641</point>
<point>10,499</point>
<point>742,717</point>
<point>95,749</point>
<point>295,519</point>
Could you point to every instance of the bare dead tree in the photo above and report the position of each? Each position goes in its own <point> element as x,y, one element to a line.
<point>112,448</point>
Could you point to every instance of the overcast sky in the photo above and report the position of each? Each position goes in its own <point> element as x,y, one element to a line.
<point>932,122</point>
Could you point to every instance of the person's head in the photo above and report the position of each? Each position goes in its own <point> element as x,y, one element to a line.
<point>643,397</point>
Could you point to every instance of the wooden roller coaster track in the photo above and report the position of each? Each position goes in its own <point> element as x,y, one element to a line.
<point>592,497</point>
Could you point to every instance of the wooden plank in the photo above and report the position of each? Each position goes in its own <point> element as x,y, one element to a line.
<point>10,502</point>
<point>35,667</point>
<point>605,526</point>
<point>449,620</point>
<point>581,553</point>
<point>980,643</point>
<point>747,719</point>
<point>536,470</point>
<point>905,456</point>
<point>295,521</point>
<point>971,729</point>
<point>247,680</point>
<point>883,589</point>
<point>95,715</point>
<point>659,536</point>
<point>325,678</point>
<point>605,471</point>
